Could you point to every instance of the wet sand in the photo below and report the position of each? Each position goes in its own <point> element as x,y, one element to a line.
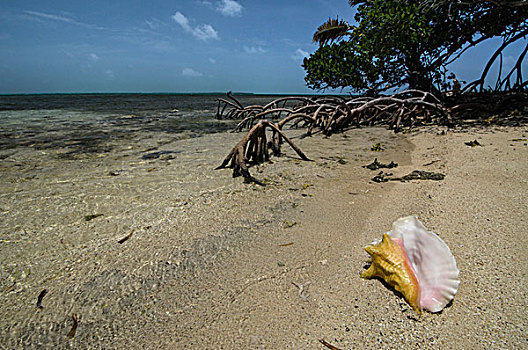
<point>213,263</point>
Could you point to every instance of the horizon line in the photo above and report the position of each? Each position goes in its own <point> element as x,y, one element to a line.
<point>162,93</point>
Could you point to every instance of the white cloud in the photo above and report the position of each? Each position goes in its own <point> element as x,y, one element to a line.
<point>93,57</point>
<point>299,54</point>
<point>254,49</point>
<point>203,32</point>
<point>212,60</point>
<point>49,16</point>
<point>229,8</point>
<point>182,20</point>
<point>206,3</point>
<point>110,74</point>
<point>189,72</point>
<point>68,53</point>
<point>42,15</point>
<point>152,24</point>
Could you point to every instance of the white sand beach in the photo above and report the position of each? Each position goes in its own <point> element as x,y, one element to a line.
<point>214,263</point>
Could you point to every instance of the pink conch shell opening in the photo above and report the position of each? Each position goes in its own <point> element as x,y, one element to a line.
<point>432,261</point>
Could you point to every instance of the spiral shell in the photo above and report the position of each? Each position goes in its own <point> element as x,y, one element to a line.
<point>417,263</point>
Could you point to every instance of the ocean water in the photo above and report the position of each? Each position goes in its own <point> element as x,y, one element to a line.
<point>85,122</point>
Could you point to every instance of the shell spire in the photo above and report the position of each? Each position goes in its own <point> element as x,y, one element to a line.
<point>417,263</point>
<point>390,263</point>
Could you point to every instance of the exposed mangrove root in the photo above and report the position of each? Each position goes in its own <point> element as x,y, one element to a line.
<point>331,114</point>
<point>253,149</point>
<point>335,113</point>
<point>489,107</point>
<point>328,114</point>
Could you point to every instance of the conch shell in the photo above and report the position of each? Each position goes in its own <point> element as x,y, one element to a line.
<point>417,263</point>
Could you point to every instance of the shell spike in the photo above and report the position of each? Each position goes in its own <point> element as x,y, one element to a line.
<point>390,263</point>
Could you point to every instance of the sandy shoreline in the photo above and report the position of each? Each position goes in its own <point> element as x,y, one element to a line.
<point>214,263</point>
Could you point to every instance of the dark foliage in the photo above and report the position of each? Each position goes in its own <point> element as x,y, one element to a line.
<point>410,43</point>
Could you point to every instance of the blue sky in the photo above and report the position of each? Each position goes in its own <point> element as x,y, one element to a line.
<point>165,46</point>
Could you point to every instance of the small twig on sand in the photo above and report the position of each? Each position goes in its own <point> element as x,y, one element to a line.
<point>303,292</point>
<point>328,345</point>
<point>432,162</point>
<point>72,331</point>
<point>126,238</point>
<point>40,297</point>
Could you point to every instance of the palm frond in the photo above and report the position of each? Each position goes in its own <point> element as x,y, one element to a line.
<point>331,30</point>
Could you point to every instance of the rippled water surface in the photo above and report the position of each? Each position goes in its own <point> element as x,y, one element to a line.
<point>84,123</point>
